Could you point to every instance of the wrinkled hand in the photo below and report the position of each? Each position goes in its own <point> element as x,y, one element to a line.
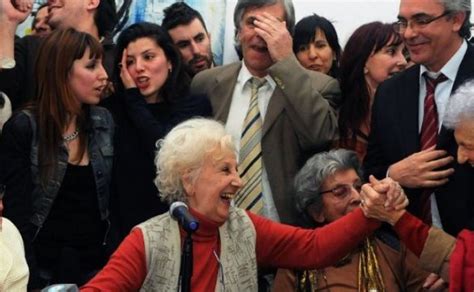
<point>373,206</point>
<point>14,12</point>
<point>275,34</point>
<point>419,169</point>
<point>434,283</point>
<point>124,74</point>
<point>395,196</point>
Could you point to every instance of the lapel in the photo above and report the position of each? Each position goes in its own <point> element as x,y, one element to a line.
<point>407,99</point>
<point>221,93</point>
<point>466,69</point>
<point>275,107</point>
<point>465,72</point>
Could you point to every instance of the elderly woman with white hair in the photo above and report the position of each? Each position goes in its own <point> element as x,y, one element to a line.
<point>460,117</point>
<point>196,163</point>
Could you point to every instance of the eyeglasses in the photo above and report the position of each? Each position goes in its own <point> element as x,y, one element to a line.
<point>417,22</point>
<point>342,191</point>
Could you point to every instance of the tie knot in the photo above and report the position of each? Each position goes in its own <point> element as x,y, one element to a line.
<point>257,82</point>
<point>432,82</point>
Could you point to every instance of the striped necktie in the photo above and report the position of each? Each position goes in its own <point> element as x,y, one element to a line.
<point>429,135</point>
<point>250,168</point>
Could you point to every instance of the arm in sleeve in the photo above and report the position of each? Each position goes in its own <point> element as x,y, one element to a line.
<point>126,269</point>
<point>311,99</point>
<point>285,246</point>
<point>149,128</point>
<point>16,82</point>
<point>433,246</point>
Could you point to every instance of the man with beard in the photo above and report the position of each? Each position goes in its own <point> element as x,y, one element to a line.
<point>408,140</point>
<point>189,34</point>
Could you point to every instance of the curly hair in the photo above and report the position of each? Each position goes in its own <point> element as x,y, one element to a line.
<point>183,152</point>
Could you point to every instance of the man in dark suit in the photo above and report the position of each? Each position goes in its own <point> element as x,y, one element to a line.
<point>296,105</point>
<point>435,34</point>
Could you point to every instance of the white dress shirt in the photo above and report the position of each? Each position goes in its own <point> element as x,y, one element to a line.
<point>442,94</point>
<point>235,122</point>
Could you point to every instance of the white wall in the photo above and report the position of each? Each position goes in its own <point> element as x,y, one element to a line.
<point>346,16</point>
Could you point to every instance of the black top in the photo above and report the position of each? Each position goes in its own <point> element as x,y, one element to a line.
<point>139,125</point>
<point>74,219</point>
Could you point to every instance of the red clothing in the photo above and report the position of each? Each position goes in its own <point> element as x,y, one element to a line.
<point>461,263</point>
<point>277,245</point>
<point>413,232</point>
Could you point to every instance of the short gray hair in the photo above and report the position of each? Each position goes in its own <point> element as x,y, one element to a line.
<point>308,181</point>
<point>183,151</point>
<point>460,6</point>
<point>242,5</point>
<point>460,106</point>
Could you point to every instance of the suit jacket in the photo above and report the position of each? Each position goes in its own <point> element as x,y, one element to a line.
<point>394,136</point>
<point>300,119</point>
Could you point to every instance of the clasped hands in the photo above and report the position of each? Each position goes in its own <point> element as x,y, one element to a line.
<point>383,200</point>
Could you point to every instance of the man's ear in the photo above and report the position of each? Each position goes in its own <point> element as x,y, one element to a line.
<point>458,20</point>
<point>93,4</point>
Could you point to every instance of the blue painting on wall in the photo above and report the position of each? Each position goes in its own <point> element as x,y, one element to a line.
<point>213,12</point>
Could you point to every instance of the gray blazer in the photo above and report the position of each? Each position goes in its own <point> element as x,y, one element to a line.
<point>301,119</point>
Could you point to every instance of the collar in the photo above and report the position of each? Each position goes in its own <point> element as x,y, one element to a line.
<point>207,227</point>
<point>450,69</point>
<point>245,75</point>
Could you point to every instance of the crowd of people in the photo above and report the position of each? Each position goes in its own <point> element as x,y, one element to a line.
<point>309,166</point>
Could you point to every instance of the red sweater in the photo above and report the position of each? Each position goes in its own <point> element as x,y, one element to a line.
<point>414,233</point>
<point>277,245</point>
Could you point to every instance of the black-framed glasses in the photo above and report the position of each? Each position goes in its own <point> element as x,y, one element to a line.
<point>342,191</point>
<point>417,22</point>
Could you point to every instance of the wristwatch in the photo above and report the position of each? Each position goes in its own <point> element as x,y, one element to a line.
<point>7,63</point>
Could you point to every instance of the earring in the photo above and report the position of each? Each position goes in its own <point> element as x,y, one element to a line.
<point>366,70</point>
<point>170,69</point>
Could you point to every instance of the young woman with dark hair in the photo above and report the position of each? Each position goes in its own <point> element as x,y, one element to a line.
<point>56,162</point>
<point>316,45</point>
<point>151,98</point>
<point>373,53</point>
